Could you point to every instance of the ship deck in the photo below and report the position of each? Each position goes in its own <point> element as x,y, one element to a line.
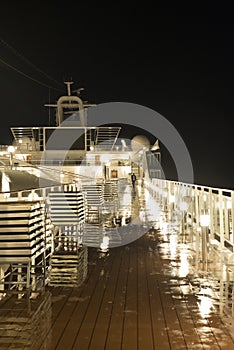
<point>150,294</point>
<point>139,297</point>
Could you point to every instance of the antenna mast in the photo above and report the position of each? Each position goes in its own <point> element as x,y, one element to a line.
<point>68,83</point>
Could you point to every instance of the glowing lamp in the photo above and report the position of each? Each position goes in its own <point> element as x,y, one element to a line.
<point>171,198</point>
<point>11,149</point>
<point>204,220</point>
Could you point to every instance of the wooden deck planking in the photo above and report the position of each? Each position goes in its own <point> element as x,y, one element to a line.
<point>159,325</point>
<point>145,328</point>
<point>63,309</point>
<point>101,329</point>
<point>130,328</point>
<point>175,331</point>
<point>9,310</point>
<point>202,326</point>
<point>82,305</point>
<point>116,324</point>
<point>220,332</point>
<point>191,336</point>
<point>131,301</point>
<point>86,329</point>
<point>60,297</point>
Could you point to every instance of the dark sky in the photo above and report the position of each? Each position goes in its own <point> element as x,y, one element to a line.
<point>177,60</point>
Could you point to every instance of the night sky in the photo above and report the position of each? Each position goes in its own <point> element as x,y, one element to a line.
<point>176,60</point>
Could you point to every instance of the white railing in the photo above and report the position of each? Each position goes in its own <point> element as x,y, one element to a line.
<point>199,208</point>
<point>27,195</point>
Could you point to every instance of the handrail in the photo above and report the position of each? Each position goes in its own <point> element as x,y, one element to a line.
<point>192,202</point>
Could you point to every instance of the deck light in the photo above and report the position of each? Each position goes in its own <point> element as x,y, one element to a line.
<point>11,149</point>
<point>204,220</point>
<point>171,198</point>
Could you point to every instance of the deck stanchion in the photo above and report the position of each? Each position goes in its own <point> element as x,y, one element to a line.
<point>221,220</point>
<point>211,214</point>
<point>232,218</point>
<point>204,222</point>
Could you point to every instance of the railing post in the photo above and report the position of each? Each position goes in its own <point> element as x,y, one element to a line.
<point>211,214</point>
<point>221,223</point>
<point>226,228</point>
<point>232,218</point>
<point>2,280</point>
<point>200,203</point>
<point>196,207</point>
<point>204,247</point>
<point>204,223</point>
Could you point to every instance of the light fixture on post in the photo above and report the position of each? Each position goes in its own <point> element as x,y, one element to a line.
<point>11,150</point>
<point>204,223</point>
<point>183,207</point>
<point>171,198</point>
<point>205,220</point>
<point>171,203</point>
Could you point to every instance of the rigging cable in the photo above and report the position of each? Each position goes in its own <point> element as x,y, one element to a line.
<point>27,76</point>
<point>29,62</point>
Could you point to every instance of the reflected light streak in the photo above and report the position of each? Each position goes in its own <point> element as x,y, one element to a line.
<point>126,199</point>
<point>142,215</point>
<point>173,246</point>
<point>105,244</point>
<point>205,306</point>
<point>184,265</point>
<point>164,228</point>
<point>153,208</point>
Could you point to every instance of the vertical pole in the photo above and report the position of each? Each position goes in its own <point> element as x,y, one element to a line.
<point>201,201</point>
<point>28,275</point>
<point>1,279</point>
<point>44,139</point>
<point>200,208</point>
<point>192,206</point>
<point>33,271</point>
<point>226,226</point>
<point>221,223</point>
<point>197,228</point>
<point>183,226</point>
<point>216,211</point>
<point>45,246</point>
<point>204,247</point>
<point>49,107</point>
<point>222,294</point>
<point>11,160</point>
<point>19,280</point>
<point>232,218</point>
<point>168,201</point>
<point>232,303</point>
<point>196,209</point>
<point>211,213</point>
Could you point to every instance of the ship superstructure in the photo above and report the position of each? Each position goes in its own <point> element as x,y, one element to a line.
<point>79,175</point>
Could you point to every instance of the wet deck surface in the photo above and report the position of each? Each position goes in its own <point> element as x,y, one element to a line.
<point>150,294</point>
<point>140,296</point>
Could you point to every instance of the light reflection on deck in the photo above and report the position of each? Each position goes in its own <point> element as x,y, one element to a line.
<point>151,294</point>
